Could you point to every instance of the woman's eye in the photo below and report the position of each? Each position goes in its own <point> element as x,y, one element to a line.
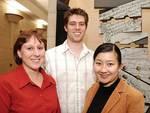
<point>40,48</point>
<point>110,64</point>
<point>98,63</point>
<point>29,48</point>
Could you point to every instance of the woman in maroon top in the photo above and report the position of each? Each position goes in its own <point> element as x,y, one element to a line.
<point>28,89</point>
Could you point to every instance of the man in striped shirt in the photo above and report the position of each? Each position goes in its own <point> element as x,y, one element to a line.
<point>71,63</point>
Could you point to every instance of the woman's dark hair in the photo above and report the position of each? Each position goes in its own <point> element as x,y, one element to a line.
<point>45,43</point>
<point>23,37</point>
<point>75,11</point>
<point>108,47</point>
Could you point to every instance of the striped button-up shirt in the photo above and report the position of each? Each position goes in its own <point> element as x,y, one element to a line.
<point>73,75</point>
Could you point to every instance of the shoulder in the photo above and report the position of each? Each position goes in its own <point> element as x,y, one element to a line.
<point>87,49</point>
<point>51,49</point>
<point>94,85</point>
<point>134,99</point>
<point>54,49</point>
<point>132,93</point>
<point>91,51</point>
<point>91,92</point>
<point>6,79</point>
<point>12,77</point>
<point>8,75</point>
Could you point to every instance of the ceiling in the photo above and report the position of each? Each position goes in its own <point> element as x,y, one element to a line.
<point>39,8</point>
<point>61,4</point>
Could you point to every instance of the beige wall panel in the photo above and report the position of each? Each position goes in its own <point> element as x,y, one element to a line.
<point>6,60</point>
<point>5,54</point>
<point>51,36</point>
<point>146,25</point>
<point>27,23</point>
<point>4,26</point>
<point>6,57</point>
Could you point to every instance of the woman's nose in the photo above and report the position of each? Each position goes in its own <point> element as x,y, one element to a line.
<point>36,52</point>
<point>103,68</point>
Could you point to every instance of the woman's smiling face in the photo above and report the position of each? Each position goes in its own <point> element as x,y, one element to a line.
<point>106,67</point>
<point>32,54</point>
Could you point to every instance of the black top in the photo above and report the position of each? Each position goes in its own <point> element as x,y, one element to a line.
<point>101,97</point>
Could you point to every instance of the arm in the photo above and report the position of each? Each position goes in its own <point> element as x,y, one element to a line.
<point>4,97</point>
<point>58,108</point>
<point>136,104</point>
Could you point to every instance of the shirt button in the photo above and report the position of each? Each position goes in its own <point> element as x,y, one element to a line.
<point>40,95</point>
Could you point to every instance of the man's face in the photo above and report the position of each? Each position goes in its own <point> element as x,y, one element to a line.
<point>75,28</point>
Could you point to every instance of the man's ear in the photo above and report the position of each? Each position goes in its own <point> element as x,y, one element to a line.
<point>65,28</point>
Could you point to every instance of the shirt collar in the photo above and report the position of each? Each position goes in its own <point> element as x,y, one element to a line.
<point>66,48</point>
<point>23,78</point>
<point>47,80</point>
